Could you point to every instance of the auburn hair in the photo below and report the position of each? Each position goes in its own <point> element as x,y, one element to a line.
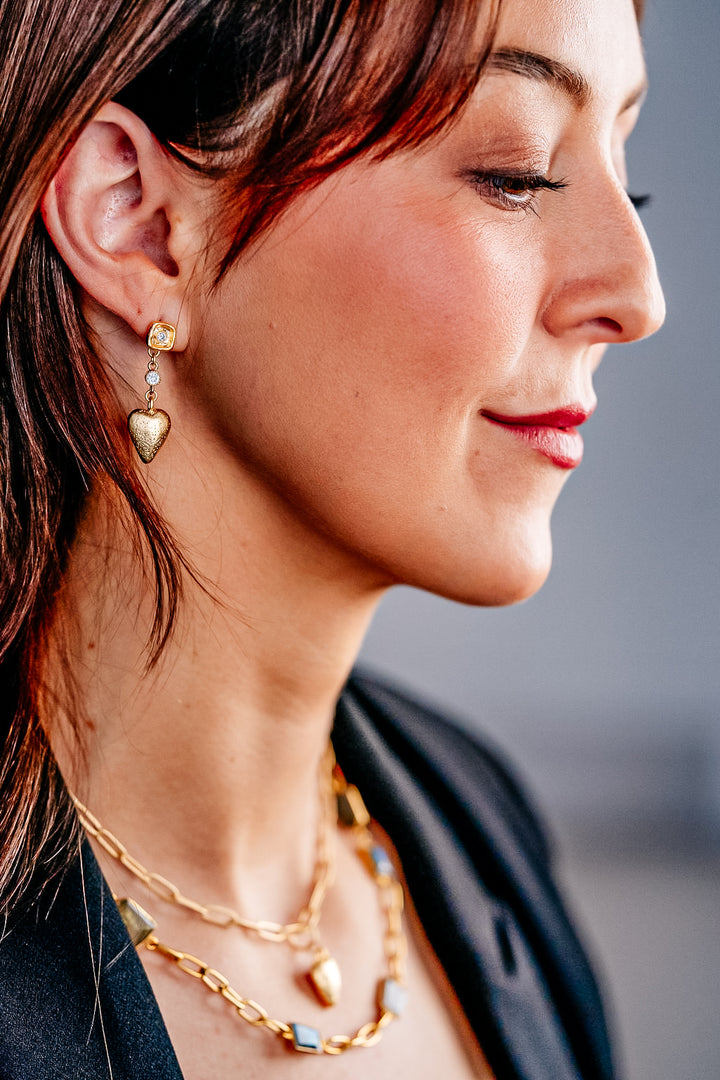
<point>271,96</point>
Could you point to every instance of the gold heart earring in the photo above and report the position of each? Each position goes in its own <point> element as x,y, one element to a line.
<point>149,427</point>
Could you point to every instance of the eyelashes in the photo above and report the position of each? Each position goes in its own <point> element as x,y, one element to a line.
<point>517,191</point>
<point>640,202</point>
<point>513,191</point>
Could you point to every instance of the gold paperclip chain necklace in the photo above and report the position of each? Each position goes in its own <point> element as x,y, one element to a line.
<point>392,994</point>
<point>300,934</point>
<point>306,920</point>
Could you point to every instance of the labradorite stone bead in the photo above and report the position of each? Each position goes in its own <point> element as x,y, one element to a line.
<point>392,997</point>
<point>380,862</point>
<point>307,1040</point>
<point>138,923</point>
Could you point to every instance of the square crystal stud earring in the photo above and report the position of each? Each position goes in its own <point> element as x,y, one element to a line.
<point>161,336</point>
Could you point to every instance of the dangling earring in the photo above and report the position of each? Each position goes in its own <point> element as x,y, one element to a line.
<point>149,427</point>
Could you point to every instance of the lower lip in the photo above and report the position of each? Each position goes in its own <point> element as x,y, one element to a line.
<point>562,446</point>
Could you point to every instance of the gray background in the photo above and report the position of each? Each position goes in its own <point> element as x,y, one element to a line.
<point>605,688</point>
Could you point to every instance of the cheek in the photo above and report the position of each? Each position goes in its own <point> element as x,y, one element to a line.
<point>436,306</point>
<point>356,351</point>
<point>377,343</point>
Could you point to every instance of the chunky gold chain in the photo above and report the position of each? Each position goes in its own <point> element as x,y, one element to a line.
<point>391,992</point>
<point>304,1038</point>
<point>255,1014</point>
<point>300,933</point>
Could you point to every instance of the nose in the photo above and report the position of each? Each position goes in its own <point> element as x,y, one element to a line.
<point>606,286</point>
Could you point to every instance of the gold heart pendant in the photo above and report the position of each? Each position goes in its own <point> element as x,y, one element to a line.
<point>148,431</point>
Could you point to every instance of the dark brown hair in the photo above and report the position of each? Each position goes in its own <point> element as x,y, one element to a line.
<point>275,94</point>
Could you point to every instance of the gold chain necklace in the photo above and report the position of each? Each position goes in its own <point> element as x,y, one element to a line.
<point>392,994</point>
<point>302,933</point>
<point>224,917</point>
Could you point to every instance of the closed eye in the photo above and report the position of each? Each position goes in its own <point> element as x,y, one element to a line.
<point>512,191</point>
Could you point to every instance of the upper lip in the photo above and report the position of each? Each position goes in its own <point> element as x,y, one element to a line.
<point>569,416</point>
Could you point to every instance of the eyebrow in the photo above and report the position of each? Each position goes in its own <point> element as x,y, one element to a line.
<point>544,69</point>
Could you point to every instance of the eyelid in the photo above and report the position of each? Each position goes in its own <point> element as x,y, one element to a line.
<point>489,184</point>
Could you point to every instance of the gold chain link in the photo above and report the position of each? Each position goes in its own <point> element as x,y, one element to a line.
<point>299,934</point>
<point>254,1014</point>
<point>391,900</point>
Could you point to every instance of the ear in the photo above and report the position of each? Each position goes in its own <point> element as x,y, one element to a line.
<point>124,216</point>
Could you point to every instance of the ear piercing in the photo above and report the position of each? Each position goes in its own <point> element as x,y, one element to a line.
<point>149,427</point>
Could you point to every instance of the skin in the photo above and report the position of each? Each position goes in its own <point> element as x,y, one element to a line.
<point>328,441</point>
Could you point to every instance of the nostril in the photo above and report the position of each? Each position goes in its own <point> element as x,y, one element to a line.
<point>609,324</point>
<point>507,953</point>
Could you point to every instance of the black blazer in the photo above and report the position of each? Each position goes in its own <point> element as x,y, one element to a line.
<point>74,996</point>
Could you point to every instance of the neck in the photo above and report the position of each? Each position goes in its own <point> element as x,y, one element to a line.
<point>210,759</point>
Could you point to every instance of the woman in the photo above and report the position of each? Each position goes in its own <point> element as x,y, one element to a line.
<point>349,269</point>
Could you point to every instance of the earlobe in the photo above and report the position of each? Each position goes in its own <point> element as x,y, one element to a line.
<point>109,211</point>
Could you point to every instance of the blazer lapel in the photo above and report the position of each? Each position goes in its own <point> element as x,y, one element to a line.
<point>477,868</point>
<point>74,998</point>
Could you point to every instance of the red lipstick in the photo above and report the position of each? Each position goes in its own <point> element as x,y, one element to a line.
<point>553,434</point>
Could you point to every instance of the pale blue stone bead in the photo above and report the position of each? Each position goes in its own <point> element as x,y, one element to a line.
<point>381,862</point>
<point>393,997</point>
<point>307,1040</point>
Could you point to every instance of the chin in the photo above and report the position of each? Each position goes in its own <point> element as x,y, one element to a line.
<point>514,589</point>
<point>513,571</point>
<point>503,590</point>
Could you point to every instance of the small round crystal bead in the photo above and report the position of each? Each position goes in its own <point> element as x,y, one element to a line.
<point>152,378</point>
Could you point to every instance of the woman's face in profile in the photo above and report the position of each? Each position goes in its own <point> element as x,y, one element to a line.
<point>401,358</point>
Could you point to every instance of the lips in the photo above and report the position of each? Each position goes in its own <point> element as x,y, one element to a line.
<point>553,434</point>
